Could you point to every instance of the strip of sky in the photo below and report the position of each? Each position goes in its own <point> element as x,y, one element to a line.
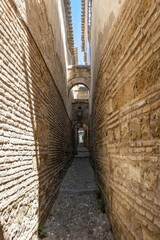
<point>76,19</point>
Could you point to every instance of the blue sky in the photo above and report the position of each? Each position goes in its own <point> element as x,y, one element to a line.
<point>76,19</point>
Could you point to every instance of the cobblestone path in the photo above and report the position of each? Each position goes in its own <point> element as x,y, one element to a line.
<point>76,214</point>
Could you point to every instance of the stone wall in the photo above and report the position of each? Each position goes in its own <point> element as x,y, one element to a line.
<point>80,74</point>
<point>104,15</point>
<point>46,20</point>
<point>84,105</point>
<point>35,133</point>
<point>80,122</point>
<point>126,122</point>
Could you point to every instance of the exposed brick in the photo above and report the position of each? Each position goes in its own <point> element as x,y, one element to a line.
<point>35,134</point>
<point>129,163</point>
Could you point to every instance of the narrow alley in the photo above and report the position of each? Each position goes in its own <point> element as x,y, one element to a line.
<point>80,119</point>
<point>77,214</point>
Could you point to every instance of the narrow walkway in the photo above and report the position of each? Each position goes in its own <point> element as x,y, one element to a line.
<point>76,214</point>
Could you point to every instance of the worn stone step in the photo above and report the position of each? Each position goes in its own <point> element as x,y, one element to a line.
<point>81,157</point>
<point>78,192</point>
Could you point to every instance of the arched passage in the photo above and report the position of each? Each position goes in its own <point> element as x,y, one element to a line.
<point>79,92</point>
<point>79,75</point>
<point>80,131</point>
<point>75,81</point>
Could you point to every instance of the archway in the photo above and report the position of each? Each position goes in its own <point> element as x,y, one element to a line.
<point>78,81</point>
<point>79,75</point>
<point>80,92</point>
<point>80,131</point>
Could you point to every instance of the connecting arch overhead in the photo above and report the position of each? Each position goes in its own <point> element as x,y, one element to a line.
<point>79,75</point>
<point>81,123</point>
<point>76,81</point>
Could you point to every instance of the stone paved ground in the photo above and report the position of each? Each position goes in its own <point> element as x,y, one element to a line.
<point>76,214</point>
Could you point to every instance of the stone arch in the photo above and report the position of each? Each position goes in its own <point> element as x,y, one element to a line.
<point>75,81</point>
<point>75,133</point>
<point>80,74</point>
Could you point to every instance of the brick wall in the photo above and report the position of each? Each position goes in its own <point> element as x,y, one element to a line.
<point>35,130</point>
<point>80,122</point>
<point>46,21</point>
<point>104,15</point>
<point>79,75</point>
<point>126,122</point>
<point>84,104</point>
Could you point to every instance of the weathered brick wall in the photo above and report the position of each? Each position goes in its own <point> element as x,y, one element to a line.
<point>104,15</point>
<point>79,122</point>
<point>126,122</point>
<point>46,21</point>
<point>84,104</point>
<point>79,75</point>
<point>35,130</point>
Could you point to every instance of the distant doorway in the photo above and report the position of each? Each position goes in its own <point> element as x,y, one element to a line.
<point>81,136</point>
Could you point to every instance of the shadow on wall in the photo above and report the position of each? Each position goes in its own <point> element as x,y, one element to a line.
<point>42,141</point>
<point>1,233</point>
<point>50,122</point>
